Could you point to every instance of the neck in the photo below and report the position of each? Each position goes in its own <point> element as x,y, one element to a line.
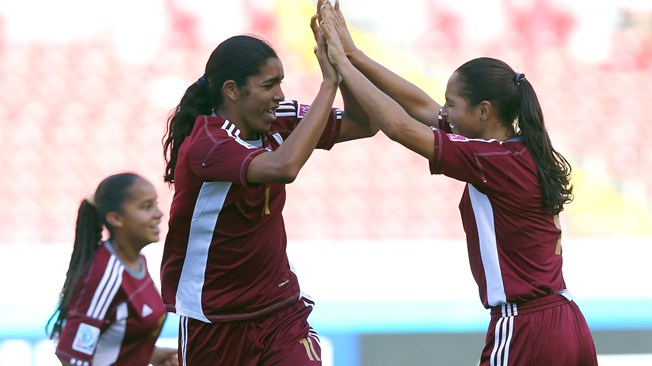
<point>128,254</point>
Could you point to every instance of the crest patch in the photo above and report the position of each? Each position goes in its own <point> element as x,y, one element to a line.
<point>86,339</point>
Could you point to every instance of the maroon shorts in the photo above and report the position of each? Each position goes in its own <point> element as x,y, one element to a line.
<point>283,337</point>
<point>546,331</point>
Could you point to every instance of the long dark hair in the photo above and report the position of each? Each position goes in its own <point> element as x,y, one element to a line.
<point>517,105</point>
<point>237,58</point>
<point>109,196</point>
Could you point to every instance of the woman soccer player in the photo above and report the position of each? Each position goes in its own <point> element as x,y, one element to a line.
<point>233,143</point>
<point>110,312</point>
<point>516,187</point>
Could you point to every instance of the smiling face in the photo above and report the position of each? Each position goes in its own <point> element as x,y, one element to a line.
<point>463,119</point>
<point>254,110</point>
<point>139,221</point>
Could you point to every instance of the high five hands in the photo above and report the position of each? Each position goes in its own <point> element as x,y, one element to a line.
<point>332,25</point>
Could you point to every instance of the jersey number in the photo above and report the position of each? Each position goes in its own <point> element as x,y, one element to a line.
<point>266,205</point>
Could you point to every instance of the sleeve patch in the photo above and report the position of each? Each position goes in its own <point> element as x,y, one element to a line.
<point>86,339</point>
<point>303,110</point>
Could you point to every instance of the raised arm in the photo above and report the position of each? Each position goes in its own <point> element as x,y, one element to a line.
<point>283,164</point>
<point>392,119</point>
<point>355,122</point>
<point>415,101</point>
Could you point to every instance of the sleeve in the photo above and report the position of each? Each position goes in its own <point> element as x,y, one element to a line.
<point>482,163</point>
<point>213,155</point>
<point>90,312</point>
<point>290,113</point>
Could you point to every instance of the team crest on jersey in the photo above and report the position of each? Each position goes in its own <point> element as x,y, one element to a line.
<point>86,339</point>
<point>303,110</point>
<point>456,137</point>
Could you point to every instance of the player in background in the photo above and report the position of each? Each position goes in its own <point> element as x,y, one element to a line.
<point>110,312</point>
<point>232,145</point>
<point>517,184</point>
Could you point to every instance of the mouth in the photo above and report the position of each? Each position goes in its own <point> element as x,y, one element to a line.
<point>445,121</point>
<point>272,111</point>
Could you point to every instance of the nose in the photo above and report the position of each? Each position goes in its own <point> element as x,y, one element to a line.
<point>159,213</point>
<point>279,96</point>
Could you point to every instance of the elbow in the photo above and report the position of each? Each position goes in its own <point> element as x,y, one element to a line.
<point>392,131</point>
<point>373,131</point>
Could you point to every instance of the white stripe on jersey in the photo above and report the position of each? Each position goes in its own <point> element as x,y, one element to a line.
<point>286,109</point>
<point>234,132</point>
<point>279,139</point>
<point>110,342</point>
<point>484,220</point>
<point>207,209</point>
<point>106,290</point>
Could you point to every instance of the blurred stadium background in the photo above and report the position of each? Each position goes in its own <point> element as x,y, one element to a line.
<point>85,88</point>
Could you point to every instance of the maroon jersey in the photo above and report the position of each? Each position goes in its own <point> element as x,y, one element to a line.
<point>225,252</point>
<point>115,316</point>
<point>513,242</point>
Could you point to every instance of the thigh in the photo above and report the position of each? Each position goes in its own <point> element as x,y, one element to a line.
<point>219,344</point>
<point>554,336</point>
<point>291,340</point>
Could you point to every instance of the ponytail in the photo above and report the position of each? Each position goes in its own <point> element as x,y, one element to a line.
<point>88,235</point>
<point>110,196</point>
<point>237,58</point>
<point>553,169</point>
<point>519,111</point>
<point>195,102</point>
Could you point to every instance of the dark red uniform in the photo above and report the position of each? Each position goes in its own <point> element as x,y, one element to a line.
<point>225,253</point>
<point>115,315</point>
<point>514,248</point>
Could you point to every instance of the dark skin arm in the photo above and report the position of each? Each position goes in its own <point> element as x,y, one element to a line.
<point>415,101</point>
<point>355,122</point>
<point>283,164</point>
<point>389,115</point>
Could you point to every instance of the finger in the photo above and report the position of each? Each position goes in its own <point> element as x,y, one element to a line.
<point>314,26</point>
<point>339,17</point>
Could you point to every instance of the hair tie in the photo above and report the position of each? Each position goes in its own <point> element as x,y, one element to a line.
<point>202,81</point>
<point>518,77</point>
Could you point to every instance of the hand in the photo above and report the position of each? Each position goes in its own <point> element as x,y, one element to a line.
<point>328,28</point>
<point>164,357</point>
<point>321,51</point>
<point>343,30</point>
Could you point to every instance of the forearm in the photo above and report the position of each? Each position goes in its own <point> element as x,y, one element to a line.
<point>283,164</point>
<point>355,123</point>
<point>303,140</point>
<point>380,108</point>
<point>413,99</point>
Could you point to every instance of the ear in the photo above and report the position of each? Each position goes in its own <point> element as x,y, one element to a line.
<point>114,219</point>
<point>485,109</point>
<point>231,90</point>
